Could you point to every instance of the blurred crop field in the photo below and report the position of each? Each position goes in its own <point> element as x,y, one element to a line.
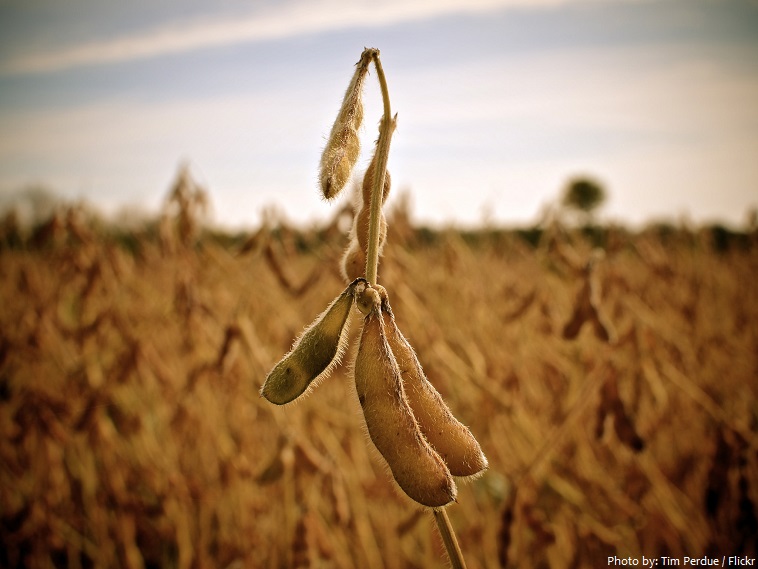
<point>614,395</point>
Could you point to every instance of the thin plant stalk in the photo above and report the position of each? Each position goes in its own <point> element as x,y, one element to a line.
<point>382,154</point>
<point>372,266</point>
<point>448,538</point>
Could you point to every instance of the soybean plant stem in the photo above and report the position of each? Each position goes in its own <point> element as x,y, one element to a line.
<point>382,153</point>
<point>448,538</point>
<point>386,128</point>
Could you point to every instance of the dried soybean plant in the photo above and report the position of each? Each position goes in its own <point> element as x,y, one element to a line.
<point>424,445</point>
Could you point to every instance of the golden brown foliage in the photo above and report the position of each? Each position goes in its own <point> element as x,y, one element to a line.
<point>132,433</point>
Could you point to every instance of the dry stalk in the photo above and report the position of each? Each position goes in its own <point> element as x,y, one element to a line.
<point>449,539</point>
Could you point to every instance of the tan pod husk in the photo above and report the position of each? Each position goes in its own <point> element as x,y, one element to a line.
<point>367,185</point>
<point>353,263</point>
<point>343,146</point>
<point>452,439</point>
<point>415,465</point>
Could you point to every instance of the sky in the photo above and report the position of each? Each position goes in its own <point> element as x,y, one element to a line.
<point>500,103</point>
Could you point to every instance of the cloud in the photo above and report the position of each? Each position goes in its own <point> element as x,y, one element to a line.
<point>285,20</point>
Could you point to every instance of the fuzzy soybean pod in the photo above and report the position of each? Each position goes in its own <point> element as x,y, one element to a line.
<point>416,467</point>
<point>353,261</point>
<point>450,438</point>
<point>343,146</point>
<point>314,354</point>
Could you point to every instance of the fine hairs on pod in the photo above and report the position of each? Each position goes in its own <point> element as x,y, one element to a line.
<point>415,465</point>
<point>313,355</point>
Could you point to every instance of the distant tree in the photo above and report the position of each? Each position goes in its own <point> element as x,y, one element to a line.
<point>583,195</point>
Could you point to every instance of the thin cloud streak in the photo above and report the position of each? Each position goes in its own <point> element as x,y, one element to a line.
<point>296,18</point>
